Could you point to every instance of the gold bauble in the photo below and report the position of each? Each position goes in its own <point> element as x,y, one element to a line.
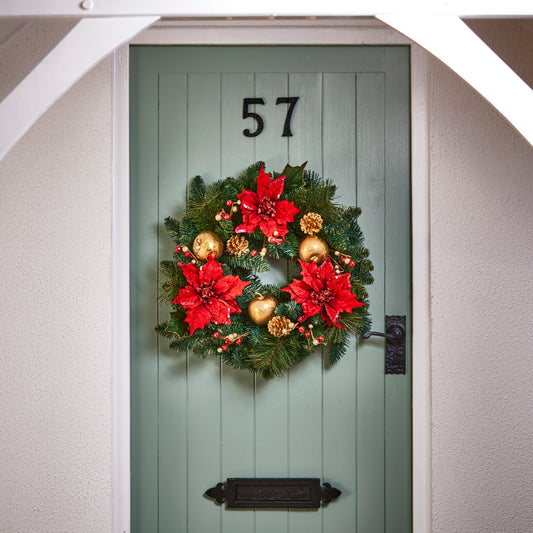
<point>261,308</point>
<point>205,244</point>
<point>313,249</point>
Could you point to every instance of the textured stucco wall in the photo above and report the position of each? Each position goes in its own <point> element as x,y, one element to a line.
<point>482,294</point>
<point>55,316</point>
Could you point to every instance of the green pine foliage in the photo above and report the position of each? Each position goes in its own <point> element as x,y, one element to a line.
<point>244,344</point>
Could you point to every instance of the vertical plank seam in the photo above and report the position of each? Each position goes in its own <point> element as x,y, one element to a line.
<point>287,152</point>
<point>254,86</point>
<point>187,355</point>
<point>221,372</point>
<point>158,259</point>
<point>323,365</point>
<point>386,82</point>
<point>356,168</point>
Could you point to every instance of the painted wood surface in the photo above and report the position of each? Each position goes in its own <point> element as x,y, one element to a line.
<point>194,422</point>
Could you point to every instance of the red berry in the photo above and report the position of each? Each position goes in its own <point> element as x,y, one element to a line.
<point>226,216</point>
<point>229,203</point>
<point>188,254</point>
<point>278,242</point>
<point>352,263</point>
<point>227,341</point>
<point>301,329</point>
<point>178,249</point>
<point>253,253</point>
<point>320,338</point>
<point>307,334</point>
<point>224,347</point>
<point>238,341</point>
<point>216,335</point>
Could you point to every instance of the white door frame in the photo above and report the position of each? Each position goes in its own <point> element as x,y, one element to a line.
<point>305,31</point>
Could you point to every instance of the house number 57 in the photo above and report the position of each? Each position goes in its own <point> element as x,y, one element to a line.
<point>291,100</point>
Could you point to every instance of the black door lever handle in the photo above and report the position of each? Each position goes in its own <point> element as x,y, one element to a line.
<point>395,345</point>
<point>394,333</point>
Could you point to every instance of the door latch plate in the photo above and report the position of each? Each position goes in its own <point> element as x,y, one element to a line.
<point>395,347</point>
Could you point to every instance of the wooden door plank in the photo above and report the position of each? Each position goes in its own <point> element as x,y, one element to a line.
<point>370,383</point>
<point>271,398</point>
<point>237,150</point>
<point>306,142</point>
<point>204,408</point>
<point>305,380</point>
<point>339,408</point>
<point>173,473</point>
<point>398,289</point>
<point>270,146</point>
<point>238,416</point>
<point>143,253</point>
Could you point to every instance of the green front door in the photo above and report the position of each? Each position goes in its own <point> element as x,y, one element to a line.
<point>194,422</point>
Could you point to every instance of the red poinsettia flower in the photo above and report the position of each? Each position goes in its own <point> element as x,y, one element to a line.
<point>322,291</point>
<point>263,208</point>
<point>210,296</point>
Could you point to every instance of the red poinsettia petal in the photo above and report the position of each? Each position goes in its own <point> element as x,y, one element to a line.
<point>191,273</point>
<point>220,311</point>
<point>198,317</point>
<point>339,282</point>
<point>299,290</point>
<point>233,307</point>
<point>229,287</point>
<point>263,181</point>
<point>248,200</point>
<point>275,188</point>
<point>326,272</point>
<point>332,313</point>
<point>285,212</point>
<point>310,309</point>
<point>309,275</point>
<point>250,222</point>
<point>269,226</point>
<point>187,297</point>
<point>325,317</point>
<point>212,271</point>
<point>345,301</point>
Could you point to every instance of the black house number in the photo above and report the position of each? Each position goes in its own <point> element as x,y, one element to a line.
<point>291,100</point>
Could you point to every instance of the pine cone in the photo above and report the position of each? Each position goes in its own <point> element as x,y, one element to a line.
<point>237,245</point>
<point>280,326</point>
<point>311,223</point>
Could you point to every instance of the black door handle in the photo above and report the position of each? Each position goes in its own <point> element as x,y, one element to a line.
<point>395,345</point>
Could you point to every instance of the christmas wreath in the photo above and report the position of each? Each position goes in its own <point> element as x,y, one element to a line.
<point>230,229</point>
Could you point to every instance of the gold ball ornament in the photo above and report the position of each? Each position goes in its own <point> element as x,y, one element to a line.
<point>261,308</point>
<point>205,244</point>
<point>313,249</point>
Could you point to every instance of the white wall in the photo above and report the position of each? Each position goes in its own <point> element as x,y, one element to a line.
<point>482,294</point>
<point>55,301</point>
<point>55,316</point>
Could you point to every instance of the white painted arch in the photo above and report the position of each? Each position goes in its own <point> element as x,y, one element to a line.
<point>93,38</point>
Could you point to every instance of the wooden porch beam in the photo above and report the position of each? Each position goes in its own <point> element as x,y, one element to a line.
<point>82,48</point>
<point>449,39</point>
<point>235,8</point>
